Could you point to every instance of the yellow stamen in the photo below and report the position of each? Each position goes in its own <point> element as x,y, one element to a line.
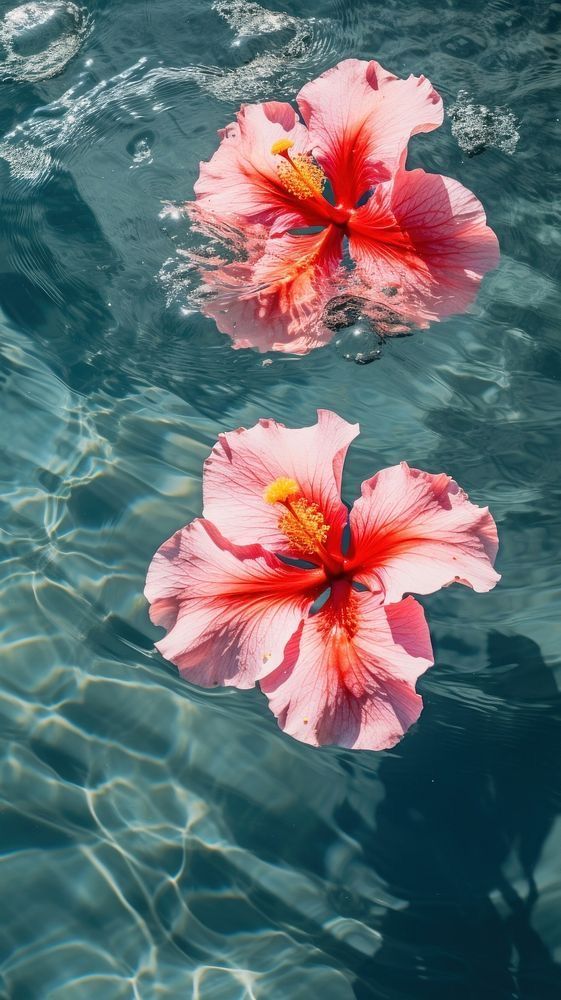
<point>302,522</point>
<point>281,146</point>
<point>304,526</point>
<point>300,176</point>
<point>279,490</point>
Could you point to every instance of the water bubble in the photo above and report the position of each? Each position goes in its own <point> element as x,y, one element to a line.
<point>359,343</point>
<point>140,148</point>
<point>38,39</point>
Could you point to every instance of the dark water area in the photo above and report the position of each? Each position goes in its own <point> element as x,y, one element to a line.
<point>158,840</point>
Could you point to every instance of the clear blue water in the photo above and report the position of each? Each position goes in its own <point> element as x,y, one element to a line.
<point>162,841</point>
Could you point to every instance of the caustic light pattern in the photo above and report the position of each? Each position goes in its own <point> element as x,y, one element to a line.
<point>321,207</point>
<point>279,584</point>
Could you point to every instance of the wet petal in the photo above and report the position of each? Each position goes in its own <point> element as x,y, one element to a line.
<point>275,301</point>
<point>229,610</point>
<point>421,244</point>
<point>242,178</point>
<point>360,119</point>
<point>348,675</point>
<point>416,532</point>
<point>244,463</point>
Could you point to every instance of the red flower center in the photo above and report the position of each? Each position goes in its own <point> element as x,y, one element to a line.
<point>303,523</point>
<point>305,180</point>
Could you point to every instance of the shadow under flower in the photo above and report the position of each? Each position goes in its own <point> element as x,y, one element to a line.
<point>459,837</point>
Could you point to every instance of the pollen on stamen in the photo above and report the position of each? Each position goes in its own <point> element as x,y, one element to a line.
<point>280,490</point>
<point>301,177</point>
<point>304,526</point>
<point>281,146</point>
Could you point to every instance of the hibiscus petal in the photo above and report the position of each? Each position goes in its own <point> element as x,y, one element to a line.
<point>348,675</point>
<point>241,180</point>
<point>422,245</point>
<point>416,532</point>
<point>230,610</point>
<point>360,119</point>
<point>275,301</point>
<point>243,463</point>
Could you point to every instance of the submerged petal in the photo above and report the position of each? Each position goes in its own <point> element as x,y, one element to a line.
<point>229,610</point>
<point>244,463</point>
<point>242,179</point>
<point>275,300</point>
<point>348,675</point>
<point>413,532</point>
<point>360,119</point>
<point>421,244</point>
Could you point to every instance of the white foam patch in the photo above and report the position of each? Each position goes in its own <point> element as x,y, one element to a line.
<point>477,127</point>
<point>26,162</point>
<point>248,19</point>
<point>38,39</point>
<point>306,47</point>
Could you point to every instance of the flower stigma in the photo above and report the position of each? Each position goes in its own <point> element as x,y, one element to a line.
<point>279,490</point>
<point>281,146</point>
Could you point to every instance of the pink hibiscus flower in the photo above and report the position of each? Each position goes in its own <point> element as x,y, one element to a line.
<point>418,242</point>
<point>239,590</point>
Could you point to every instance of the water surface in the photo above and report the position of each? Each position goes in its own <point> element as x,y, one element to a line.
<point>161,841</point>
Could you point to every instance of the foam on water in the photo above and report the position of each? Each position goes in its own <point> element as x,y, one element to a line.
<point>250,19</point>
<point>477,127</point>
<point>38,39</point>
<point>302,43</point>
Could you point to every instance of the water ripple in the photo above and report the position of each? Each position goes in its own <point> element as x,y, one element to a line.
<point>159,840</point>
<point>38,39</point>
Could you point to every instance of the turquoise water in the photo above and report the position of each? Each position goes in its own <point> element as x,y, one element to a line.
<point>163,841</point>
